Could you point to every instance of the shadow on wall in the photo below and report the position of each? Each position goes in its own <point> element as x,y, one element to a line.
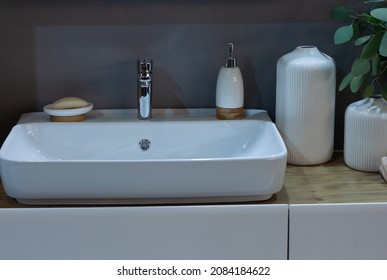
<point>252,93</point>
<point>170,95</point>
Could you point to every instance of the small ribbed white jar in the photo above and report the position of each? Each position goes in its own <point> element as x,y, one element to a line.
<point>365,134</point>
<point>305,105</point>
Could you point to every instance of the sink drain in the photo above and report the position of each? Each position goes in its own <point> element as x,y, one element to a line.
<point>144,144</point>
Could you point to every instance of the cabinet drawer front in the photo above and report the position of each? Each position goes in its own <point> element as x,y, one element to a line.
<point>338,231</point>
<point>159,232</point>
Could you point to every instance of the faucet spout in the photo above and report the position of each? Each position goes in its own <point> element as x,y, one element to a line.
<point>144,89</point>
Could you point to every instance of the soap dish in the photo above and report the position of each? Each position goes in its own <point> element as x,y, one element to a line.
<point>67,115</point>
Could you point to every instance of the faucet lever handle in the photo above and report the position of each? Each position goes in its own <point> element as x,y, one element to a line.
<point>144,65</point>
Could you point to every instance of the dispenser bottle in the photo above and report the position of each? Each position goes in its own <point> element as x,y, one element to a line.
<point>229,90</point>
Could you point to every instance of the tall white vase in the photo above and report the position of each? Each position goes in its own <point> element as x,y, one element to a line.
<point>365,134</point>
<point>305,105</point>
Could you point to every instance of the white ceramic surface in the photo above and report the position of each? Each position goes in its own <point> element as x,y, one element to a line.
<point>67,112</point>
<point>191,155</point>
<point>365,134</point>
<point>305,105</point>
<point>229,88</point>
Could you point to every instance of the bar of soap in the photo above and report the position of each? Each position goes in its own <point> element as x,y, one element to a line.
<point>69,103</point>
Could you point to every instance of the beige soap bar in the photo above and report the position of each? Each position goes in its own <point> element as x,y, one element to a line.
<point>69,103</point>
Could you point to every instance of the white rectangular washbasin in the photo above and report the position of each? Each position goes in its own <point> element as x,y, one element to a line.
<point>179,156</point>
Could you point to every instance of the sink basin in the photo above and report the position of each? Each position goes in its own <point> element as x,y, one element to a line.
<point>179,156</point>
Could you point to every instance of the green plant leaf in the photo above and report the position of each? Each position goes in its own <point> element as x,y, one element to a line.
<point>375,21</point>
<point>375,65</point>
<point>379,13</point>
<point>346,81</point>
<point>356,83</point>
<point>372,47</point>
<point>369,91</point>
<point>340,13</point>
<point>356,30</point>
<point>383,45</point>
<point>343,34</point>
<point>360,67</point>
<point>373,1</point>
<point>362,40</point>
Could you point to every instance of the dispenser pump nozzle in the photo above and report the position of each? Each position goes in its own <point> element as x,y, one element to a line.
<point>231,60</point>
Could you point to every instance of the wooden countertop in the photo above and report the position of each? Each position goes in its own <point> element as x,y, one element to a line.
<point>332,182</point>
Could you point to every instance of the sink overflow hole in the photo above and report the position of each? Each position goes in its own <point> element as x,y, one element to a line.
<point>144,144</point>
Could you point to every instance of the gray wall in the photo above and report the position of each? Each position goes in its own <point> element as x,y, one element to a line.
<point>88,48</point>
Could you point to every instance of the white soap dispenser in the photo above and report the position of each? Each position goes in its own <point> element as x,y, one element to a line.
<point>229,90</point>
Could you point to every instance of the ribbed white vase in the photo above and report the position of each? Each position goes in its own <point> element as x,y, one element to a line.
<point>305,105</point>
<point>365,134</point>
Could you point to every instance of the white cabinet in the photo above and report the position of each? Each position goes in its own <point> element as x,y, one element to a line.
<point>243,231</point>
<point>338,231</point>
<point>160,232</point>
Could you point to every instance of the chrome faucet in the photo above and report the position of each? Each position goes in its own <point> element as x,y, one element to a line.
<point>144,89</point>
